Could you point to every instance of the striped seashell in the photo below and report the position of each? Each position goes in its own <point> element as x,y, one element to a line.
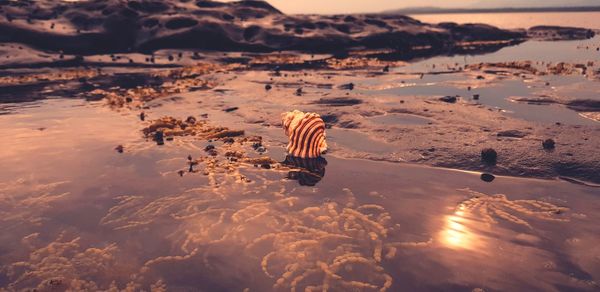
<point>306,133</point>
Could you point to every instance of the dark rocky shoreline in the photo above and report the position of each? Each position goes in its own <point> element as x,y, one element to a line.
<point>103,27</point>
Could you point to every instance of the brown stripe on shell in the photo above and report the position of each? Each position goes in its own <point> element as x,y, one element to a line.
<point>306,134</point>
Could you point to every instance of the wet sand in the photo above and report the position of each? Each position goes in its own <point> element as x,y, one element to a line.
<point>86,215</point>
<point>162,172</point>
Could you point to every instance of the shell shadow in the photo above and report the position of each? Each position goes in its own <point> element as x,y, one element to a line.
<point>307,171</point>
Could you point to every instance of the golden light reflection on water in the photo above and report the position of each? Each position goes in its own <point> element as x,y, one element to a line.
<point>455,234</point>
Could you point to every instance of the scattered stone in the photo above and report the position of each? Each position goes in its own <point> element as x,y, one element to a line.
<point>268,87</point>
<point>159,138</point>
<point>119,148</point>
<point>512,134</point>
<point>190,120</point>
<point>489,156</point>
<point>228,140</point>
<point>487,177</point>
<point>142,116</point>
<point>209,147</point>
<point>348,86</point>
<point>338,101</point>
<point>181,172</point>
<point>548,144</point>
<point>386,68</point>
<point>231,109</point>
<point>480,77</point>
<point>299,91</point>
<point>449,99</point>
<point>476,96</point>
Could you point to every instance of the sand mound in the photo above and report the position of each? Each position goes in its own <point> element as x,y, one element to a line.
<point>112,26</point>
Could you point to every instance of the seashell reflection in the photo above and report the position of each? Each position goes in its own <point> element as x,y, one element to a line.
<point>307,171</point>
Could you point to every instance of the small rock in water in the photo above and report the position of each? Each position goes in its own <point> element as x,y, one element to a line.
<point>268,87</point>
<point>548,144</point>
<point>119,148</point>
<point>348,86</point>
<point>476,96</point>
<point>489,156</point>
<point>449,99</point>
<point>487,177</point>
<point>159,138</point>
<point>511,134</point>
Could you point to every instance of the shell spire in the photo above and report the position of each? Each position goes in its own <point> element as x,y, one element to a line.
<point>306,134</point>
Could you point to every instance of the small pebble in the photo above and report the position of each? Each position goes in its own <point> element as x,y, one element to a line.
<point>159,138</point>
<point>449,99</point>
<point>487,177</point>
<point>548,144</point>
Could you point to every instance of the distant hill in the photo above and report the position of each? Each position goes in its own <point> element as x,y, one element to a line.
<point>437,10</point>
<point>533,3</point>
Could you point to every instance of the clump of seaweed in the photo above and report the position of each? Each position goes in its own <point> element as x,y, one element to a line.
<point>171,126</point>
<point>498,205</point>
<point>360,62</point>
<point>25,201</point>
<point>332,245</point>
<point>64,265</point>
<point>52,76</point>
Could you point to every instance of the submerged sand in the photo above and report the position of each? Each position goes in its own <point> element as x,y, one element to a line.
<point>134,162</point>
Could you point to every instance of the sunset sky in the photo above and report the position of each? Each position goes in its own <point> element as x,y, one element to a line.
<point>358,6</point>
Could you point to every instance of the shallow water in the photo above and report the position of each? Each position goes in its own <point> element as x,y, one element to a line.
<point>518,20</point>
<point>400,119</point>
<point>498,92</point>
<point>76,212</point>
